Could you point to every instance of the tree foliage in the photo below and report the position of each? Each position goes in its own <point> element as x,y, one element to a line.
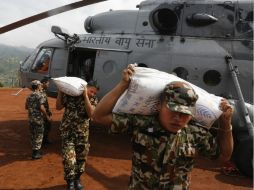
<point>10,58</point>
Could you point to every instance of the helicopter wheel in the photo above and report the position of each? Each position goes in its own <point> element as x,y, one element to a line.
<point>244,157</point>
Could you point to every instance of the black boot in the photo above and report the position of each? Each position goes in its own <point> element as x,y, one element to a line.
<point>36,154</point>
<point>70,185</point>
<point>78,185</point>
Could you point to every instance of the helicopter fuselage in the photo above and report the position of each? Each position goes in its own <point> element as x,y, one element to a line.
<point>208,43</point>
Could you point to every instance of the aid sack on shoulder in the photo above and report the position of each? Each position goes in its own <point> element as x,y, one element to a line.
<point>142,96</point>
<point>70,85</point>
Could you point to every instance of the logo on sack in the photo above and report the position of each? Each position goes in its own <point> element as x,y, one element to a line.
<point>205,115</point>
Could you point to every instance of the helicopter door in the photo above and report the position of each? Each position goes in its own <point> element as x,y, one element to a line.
<point>108,69</point>
<point>81,63</point>
<point>59,63</point>
<point>58,67</point>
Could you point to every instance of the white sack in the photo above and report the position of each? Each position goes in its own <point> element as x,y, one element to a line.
<point>142,96</point>
<point>70,85</point>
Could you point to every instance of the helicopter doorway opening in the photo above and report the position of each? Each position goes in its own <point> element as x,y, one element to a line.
<point>81,63</point>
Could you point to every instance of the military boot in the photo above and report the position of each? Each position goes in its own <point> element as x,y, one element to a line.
<point>78,185</point>
<point>70,185</point>
<point>36,154</point>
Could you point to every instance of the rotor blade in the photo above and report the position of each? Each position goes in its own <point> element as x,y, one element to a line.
<point>46,14</point>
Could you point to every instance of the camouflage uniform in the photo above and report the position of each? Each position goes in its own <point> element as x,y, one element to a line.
<point>75,133</point>
<point>36,121</point>
<point>47,124</point>
<point>163,160</point>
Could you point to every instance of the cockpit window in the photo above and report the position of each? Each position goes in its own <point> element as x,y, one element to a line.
<point>42,62</point>
<point>28,61</point>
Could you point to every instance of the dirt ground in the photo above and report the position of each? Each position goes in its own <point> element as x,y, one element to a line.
<point>108,166</point>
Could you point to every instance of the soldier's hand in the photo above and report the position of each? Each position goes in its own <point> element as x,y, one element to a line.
<point>85,90</point>
<point>227,111</point>
<point>128,72</point>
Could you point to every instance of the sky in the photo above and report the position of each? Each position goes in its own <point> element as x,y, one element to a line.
<point>33,34</point>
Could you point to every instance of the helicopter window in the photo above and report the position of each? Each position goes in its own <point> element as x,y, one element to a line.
<point>28,61</point>
<point>41,64</point>
<point>212,78</point>
<point>108,67</point>
<point>181,72</point>
<point>164,20</point>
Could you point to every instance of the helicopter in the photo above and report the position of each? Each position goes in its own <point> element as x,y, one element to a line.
<point>209,43</point>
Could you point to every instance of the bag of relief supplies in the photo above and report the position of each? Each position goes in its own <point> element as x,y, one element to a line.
<point>142,96</point>
<point>70,85</point>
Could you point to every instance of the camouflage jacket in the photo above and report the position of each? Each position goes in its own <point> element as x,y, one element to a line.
<point>75,116</point>
<point>162,160</point>
<point>33,104</point>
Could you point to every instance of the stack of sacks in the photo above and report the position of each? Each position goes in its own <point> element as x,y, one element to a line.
<point>72,86</point>
<point>142,96</point>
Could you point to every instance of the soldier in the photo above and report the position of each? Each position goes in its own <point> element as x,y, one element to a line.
<point>165,144</point>
<point>47,123</point>
<point>36,113</point>
<point>75,132</point>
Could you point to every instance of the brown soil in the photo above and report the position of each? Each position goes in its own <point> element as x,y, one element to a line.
<point>108,166</point>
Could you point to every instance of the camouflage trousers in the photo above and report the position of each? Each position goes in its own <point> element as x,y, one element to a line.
<point>75,148</point>
<point>47,129</point>
<point>153,183</point>
<point>156,181</point>
<point>140,186</point>
<point>36,130</point>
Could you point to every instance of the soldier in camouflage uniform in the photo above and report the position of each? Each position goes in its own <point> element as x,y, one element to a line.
<point>164,145</point>
<point>75,132</point>
<point>36,113</point>
<point>47,123</point>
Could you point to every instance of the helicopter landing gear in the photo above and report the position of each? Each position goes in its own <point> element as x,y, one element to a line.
<point>243,153</point>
